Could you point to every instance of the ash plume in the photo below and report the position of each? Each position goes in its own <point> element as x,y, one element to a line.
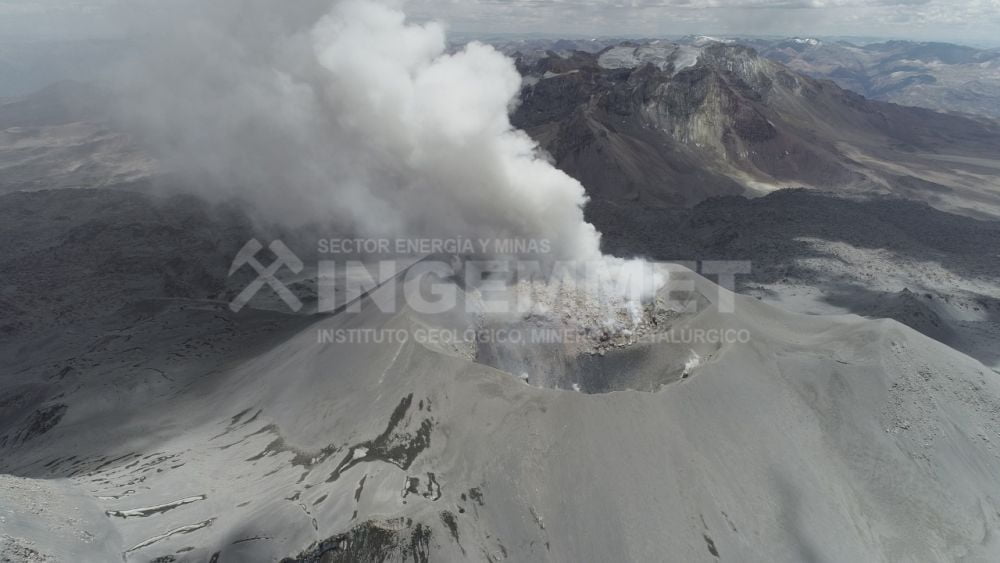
<point>348,114</point>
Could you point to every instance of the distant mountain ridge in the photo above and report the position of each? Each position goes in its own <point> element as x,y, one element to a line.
<point>939,76</point>
<point>934,75</point>
<point>674,123</point>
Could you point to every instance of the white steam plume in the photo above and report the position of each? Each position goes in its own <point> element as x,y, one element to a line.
<point>353,116</point>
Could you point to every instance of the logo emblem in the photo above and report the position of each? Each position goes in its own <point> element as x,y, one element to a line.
<point>265,275</point>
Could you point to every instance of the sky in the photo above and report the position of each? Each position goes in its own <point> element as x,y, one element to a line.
<point>956,20</point>
<point>962,21</point>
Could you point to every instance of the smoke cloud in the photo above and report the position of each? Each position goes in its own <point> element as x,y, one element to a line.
<point>351,115</point>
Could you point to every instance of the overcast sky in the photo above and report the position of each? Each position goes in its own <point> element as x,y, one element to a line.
<point>968,21</point>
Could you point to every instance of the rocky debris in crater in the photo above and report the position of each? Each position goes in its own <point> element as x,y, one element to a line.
<point>14,550</point>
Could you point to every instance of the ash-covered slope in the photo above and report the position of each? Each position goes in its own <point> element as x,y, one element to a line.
<point>75,254</point>
<point>819,437</point>
<point>64,136</point>
<point>815,252</point>
<point>670,124</point>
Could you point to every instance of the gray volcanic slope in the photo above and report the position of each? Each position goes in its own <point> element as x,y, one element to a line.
<point>813,252</point>
<point>63,136</point>
<point>175,430</point>
<point>72,254</point>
